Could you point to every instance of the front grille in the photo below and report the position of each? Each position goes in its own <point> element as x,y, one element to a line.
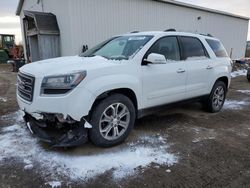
<point>25,86</point>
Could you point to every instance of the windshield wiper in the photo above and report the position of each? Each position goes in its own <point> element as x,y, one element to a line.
<point>88,55</point>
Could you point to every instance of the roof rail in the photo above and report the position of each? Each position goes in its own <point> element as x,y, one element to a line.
<point>170,30</point>
<point>208,35</point>
<point>135,32</point>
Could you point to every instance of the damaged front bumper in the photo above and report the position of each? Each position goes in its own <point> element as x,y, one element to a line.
<point>58,132</point>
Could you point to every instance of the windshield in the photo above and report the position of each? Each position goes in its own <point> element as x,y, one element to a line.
<point>119,48</point>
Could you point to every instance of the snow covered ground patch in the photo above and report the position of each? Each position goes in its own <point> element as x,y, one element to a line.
<point>242,72</point>
<point>16,141</point>
<point>54,184</point>
<point>244,91</point>
<point>3,99</point>
<point>202,134</point>
<point>234,104</point>
<point>14,117</point>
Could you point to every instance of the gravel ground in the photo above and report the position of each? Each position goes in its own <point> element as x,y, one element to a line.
<point>180,147</point>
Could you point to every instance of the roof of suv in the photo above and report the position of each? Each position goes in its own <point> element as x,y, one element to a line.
<point>164,33</point>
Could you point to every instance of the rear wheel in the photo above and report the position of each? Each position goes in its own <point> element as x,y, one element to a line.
<point>217,97</point>
<point>112,120</point>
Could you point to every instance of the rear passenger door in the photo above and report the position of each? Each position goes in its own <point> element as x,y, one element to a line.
<point>199,66</point>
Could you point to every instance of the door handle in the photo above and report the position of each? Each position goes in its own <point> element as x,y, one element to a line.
<point>181,71</point>
<point>209,67</point>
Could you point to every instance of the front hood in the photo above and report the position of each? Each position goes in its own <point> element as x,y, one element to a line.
<point>64,65</point>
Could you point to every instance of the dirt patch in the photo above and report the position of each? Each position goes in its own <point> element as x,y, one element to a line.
<point>212,150</point>
<point>8,102</point>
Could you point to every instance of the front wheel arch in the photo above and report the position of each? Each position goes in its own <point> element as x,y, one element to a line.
<point>123,91</point>
<point>95,133</point>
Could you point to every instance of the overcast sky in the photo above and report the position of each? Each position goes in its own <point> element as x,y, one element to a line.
<point>9,23</point>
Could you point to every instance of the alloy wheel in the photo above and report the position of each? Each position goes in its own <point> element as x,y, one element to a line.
<point>218,97</point>
<point>114,121</point>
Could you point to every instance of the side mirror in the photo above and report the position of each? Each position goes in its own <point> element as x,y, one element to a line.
<point>156,59</point>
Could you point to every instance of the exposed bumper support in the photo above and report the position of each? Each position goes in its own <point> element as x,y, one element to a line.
<point>62,136</point>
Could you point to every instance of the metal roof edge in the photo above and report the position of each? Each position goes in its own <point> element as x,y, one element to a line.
<point>178,3</point>
<point>19,7</point>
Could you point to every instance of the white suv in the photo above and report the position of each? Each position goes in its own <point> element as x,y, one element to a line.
<point>100,93</point>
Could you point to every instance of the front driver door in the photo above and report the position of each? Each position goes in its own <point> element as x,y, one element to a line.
<point>164,83</point>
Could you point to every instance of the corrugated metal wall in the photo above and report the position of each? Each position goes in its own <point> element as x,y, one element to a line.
<point>92,21</point>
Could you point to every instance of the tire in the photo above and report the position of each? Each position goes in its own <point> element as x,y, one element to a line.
<point>216,98</point>
<point>112,120</point>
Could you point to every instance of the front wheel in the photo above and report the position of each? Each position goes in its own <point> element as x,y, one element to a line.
<point>112,120</point>
<point>217,97</point>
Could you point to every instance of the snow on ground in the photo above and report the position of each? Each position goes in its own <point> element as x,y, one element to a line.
<point>202,134</point>
<point>16,141</point>
<point>244,91</point>
<point>16,116</point>
<point>3,99</point>
<point>54,184</point>
<point>234,104</point>
<point>242,72</point>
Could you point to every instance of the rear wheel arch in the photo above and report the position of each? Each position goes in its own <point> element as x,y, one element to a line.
<point>223,79</point>
<point>216,98</point>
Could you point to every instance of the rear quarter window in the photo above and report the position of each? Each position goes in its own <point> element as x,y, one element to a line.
<point>217,48</point>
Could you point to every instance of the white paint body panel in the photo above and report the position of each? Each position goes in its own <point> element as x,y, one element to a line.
<point>92,21</point>
<point>162,84</point>
<point>153,84</point>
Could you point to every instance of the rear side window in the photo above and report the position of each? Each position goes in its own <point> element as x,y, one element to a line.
<point>217,47</point>
<point>192,48</point>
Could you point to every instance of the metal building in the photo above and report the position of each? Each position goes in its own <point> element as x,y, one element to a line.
<point>88,22</point>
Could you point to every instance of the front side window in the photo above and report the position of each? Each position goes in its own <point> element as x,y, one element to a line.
<point>192,48</point>
<point>119,48</point>
<point>167,46</point>
<point>217,48</point>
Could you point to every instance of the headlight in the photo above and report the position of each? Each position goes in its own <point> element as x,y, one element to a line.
<point>61,84</point>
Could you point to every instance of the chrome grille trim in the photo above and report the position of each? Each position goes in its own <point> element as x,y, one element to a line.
<point>25,86</point>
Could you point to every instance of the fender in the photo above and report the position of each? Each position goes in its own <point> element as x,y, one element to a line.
<point>221,71</point>
<point>112,82</point>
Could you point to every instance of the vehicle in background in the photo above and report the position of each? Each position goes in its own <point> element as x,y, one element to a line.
<point>248,74</point>
<point>10,52</point>
<point>101,93</point>
<point>7,42</point>
<point>248,49</point>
